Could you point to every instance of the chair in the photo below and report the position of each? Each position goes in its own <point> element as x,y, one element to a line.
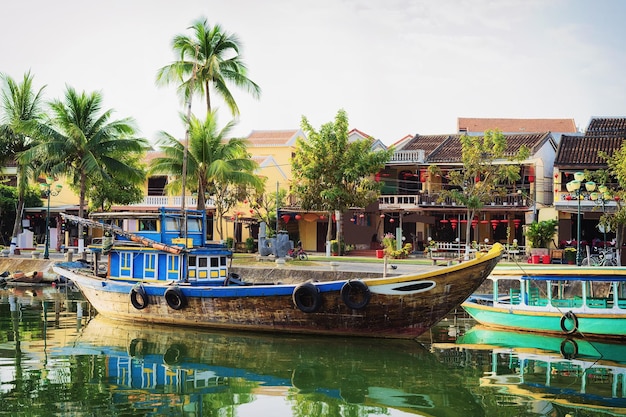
<point>556,256</point>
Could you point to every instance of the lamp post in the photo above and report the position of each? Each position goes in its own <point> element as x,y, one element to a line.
<point>603,195</point>
<point>574,187</point>
<point>46,188</point>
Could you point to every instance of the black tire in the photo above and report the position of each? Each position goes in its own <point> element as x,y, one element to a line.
<point>138,297</point>
<point>175,298</point>
<point>307,297</point>
<point>355,294</point>
<point>569,349</point>
<point>234,279</point>
<point>569,316</point>
<point>303,256</point>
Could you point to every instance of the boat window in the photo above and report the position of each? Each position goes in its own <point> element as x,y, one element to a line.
<point>214,262</point>
<point>223,261</point>
<point>172,225</point>
<point>202,262</point>
<point>194,225</point>
<point>148,225</point>
<point>192,261</point>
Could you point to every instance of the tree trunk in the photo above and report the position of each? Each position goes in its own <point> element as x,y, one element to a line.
<point>17,225</point>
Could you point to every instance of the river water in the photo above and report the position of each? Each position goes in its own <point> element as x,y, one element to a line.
<point>58,358</point>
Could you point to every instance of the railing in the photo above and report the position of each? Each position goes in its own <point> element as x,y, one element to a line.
<point>408,156</point>
<point>171,201</point>
<point>415,200</point>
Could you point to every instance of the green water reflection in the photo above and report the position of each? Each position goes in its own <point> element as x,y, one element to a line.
<point>56,358</point>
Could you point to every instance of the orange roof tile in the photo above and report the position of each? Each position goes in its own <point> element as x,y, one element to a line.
<point>271,137</point>
<point>471,124</point>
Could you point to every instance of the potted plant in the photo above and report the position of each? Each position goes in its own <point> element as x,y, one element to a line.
<point>250,244</point>
<point>570,255</point>
<point>334,247</point>
<point>538,236</point>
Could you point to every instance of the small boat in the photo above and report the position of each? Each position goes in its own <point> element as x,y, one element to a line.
<point>583,301</point>
<point>155,276</point>
<point>538,374</point>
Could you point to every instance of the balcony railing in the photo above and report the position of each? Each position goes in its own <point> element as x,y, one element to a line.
<point>171,201</point>
<point>428,200</point>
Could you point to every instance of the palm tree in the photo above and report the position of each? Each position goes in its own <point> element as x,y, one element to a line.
<point>20,103</point>
<point>215,55</point>
<point>81,143</point>
<point>214,164</point>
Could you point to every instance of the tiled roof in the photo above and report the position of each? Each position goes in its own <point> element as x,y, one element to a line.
<point>428,143</point>
<point>582,151</point>
<point>471,124</point>
<point>271,137</point>
<point>447,148</point>
<point>607,126</point>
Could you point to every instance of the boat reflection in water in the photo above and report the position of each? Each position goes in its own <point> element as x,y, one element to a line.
<point>549,375</point>
<point>165,368</point>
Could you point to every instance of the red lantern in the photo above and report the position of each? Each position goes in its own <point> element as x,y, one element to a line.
<point>391,220</point>
<point>361,215</point>
<point>285,218</point>
<point>453,223</point>
<point>568,197</point>
<point>382,216</point>
<point>245,201</point>
<point>504,221</point>
<point>494,224</point>
<point>531,178</point>
<point>322,217</point>
<point>251,211</point>
<point>517,223</point>
<point>443,221</point>
<point>616,198</point>
<point>298,217</point>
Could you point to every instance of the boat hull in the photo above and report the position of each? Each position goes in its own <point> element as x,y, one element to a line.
<point>588,302</point>
<point>398,307</point>
<point>551,322</point>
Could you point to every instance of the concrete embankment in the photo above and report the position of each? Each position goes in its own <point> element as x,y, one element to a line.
<point>290,275</point>
<point>15,264</point>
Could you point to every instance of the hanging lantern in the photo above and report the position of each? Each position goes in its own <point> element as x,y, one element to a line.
<point>504,221</point>
<point>232,218</point>
<point>391,220</point>
<point>453,223</point>
<point>517,223</point>
<point>382,216</point>
<point>322,217</point>
<point>251,211</point>
<point>285,218</point>
<point>443,221</point>
<point>494,224</point>
<point>353,220</point>
<point>361,215</point>
<point>245,201</point>
<point>298,217</point>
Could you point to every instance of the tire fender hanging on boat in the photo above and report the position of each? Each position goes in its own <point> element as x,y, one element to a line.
<point>355,294</point>
<point>307,298</point>
<point>138,297</point>
<point>175,298</point>
<point>569,316</point>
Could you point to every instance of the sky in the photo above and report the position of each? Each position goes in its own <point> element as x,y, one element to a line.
<point>397,67</point>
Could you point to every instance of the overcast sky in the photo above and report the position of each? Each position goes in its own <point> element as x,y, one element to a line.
<point>397,67</point>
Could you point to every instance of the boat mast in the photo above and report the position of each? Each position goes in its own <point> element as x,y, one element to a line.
<point>183,229</point>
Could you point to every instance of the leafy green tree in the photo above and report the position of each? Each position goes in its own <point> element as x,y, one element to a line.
<point>615,220</point>
<point>8,202</point>
<point>481,177</point>
<point>216,166</point>
<point>264,206</point>
<point>20,103</point>
<point>213,57</point>
<point>332,174</point>
<point>81,143</point>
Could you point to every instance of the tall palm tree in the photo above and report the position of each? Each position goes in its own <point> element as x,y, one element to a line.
<point>215,55</point>
<point>81,143</point>
<point>20,103</point>
<point>213,163</point>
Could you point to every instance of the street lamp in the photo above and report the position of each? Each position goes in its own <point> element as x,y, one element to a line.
<point>603,195</point>
<point>574,187</point>
<point>47,191</point>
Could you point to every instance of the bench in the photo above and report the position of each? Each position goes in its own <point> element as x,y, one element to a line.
<point>441,258</point>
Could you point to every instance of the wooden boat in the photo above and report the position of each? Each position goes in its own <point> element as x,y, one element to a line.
<point>585,301</point>
<point>187,283</point>
<point>545,374</point>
